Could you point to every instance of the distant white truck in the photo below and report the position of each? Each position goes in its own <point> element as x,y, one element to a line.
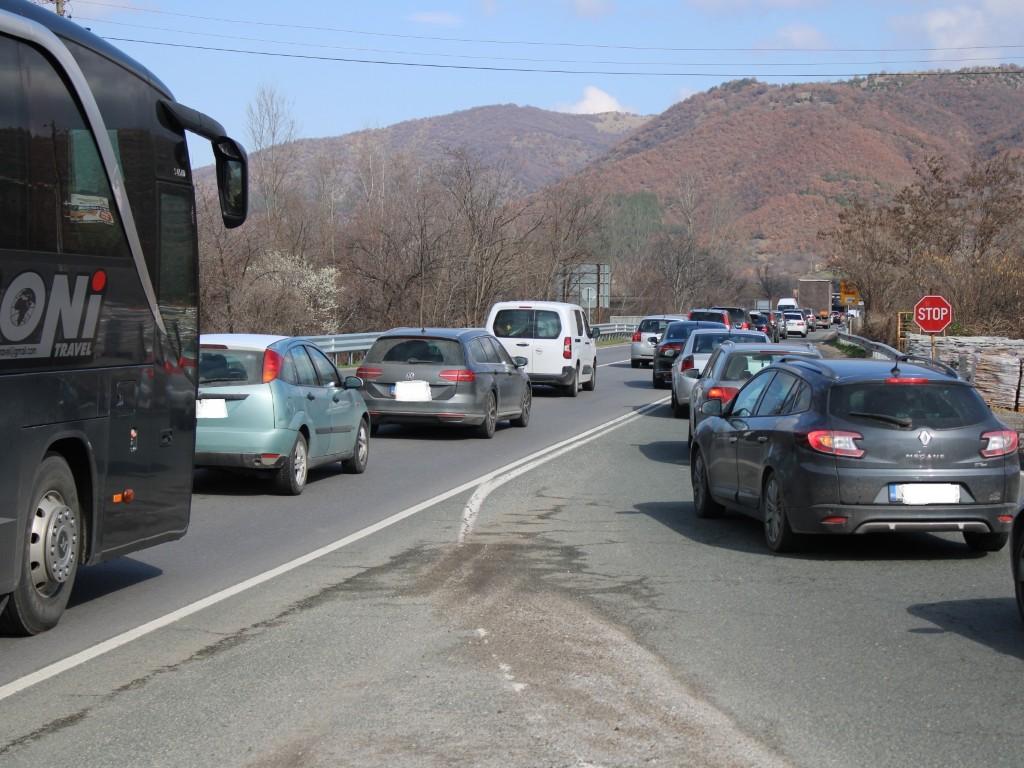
<point>788,303</point>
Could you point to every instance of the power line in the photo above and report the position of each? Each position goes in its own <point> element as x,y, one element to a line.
<point>556,61</point>
<point>541,70</point>
<point>564,44</point>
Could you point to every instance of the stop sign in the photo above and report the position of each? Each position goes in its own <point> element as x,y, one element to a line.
<point>933,313</point>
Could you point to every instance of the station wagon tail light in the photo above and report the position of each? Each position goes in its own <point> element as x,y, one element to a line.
<point>369,372</point>
<point>567,348</point>
<point>636,336</point>
<point>836,443</point>
<point>725,394</point>
<point>906,380</point>
<point>999,443</point>
<point>272,363</point>
<point>463,375</point>
<point>670,349</point>
<point>686,364</point>
<point>744,326</point>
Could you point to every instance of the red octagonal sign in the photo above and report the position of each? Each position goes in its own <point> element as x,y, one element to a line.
<point>933,314</point>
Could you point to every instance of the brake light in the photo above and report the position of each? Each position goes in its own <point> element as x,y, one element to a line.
<point>272,363</point>
<point>671,349</point>
<point>744,326</point>
<point>1000,443</point>
<point>567,348</point>
<point>836,443</point>
<point>636,336</point>
<point>906,380</point>
<point>369,372</point>
<point>463,375</point>
<point>725,394</point>
<point>686,364</point>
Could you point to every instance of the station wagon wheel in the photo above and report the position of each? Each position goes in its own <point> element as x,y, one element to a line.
<point>291,477</point>
<point>702,501</point>
<point>777,533</point>
<point>53,548</point>
<point>360,451</point>
<point>524,414</point>
<point>486,429</point>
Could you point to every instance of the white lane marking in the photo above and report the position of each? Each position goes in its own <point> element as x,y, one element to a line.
<point>77,659</point>
<point>472,509</point>
<point>613,362</point>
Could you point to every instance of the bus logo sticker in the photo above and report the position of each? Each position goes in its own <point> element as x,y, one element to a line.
<point>60,322</point>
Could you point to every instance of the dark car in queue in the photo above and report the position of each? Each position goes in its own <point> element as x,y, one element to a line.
<point>854,447</point>
<point>672,343</point>
<point>733,365</point>
<point>762,321</point>
<point>739,319</point>
<point>1017,561</point>
<point>444,376</point>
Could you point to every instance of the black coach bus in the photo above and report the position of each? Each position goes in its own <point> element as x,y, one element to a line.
<point>98,306</point>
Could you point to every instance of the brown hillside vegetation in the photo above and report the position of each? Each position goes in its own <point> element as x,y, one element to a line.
<point>537,147</point>
<point>790,158</point>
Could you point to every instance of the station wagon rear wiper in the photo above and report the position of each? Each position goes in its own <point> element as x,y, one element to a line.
<point>899,421</point>
<point>212,381</point>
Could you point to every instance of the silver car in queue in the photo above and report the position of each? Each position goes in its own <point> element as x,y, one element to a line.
<point>444,376</point>
<point>695,355</point>
<point>647,336</point>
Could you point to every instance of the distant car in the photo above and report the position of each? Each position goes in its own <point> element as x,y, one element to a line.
<point>695,355</point>
<point>738,317</point>
<point>811,319</point>
<point>672,343</point>
<point>836,318</point>
<point>762,321</point>
<point>780,324</point>
<point>711,316</point>
<point>796,323</point>
<point>277,405</point>
<point>647,336</point>
<point>732,366</point>
<point>445,376</point>
<point>858,446</point>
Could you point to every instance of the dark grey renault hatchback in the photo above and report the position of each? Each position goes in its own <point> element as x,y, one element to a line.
<point>859,446</point>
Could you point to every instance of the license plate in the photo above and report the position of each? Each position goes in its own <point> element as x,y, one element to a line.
<point>924,493</point>
<point>211,408</point>
<point>412,391</point>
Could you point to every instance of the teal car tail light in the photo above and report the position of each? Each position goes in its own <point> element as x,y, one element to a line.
<point>272,364</point>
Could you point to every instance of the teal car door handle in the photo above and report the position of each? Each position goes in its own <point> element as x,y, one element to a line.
<point>310,396</point>
<point>337,397</point>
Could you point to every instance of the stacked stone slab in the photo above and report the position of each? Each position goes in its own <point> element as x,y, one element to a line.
<point>994,364</point>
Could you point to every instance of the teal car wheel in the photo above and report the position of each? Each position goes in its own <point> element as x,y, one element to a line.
<point>291,477</point>
<point>360,451</point>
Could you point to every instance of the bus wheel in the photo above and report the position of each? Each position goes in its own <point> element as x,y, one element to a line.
<point>53,548</point>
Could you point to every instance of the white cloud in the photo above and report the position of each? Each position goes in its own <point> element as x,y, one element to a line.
<point>592,8</point>
<point>797,36</point>
<point>594,101</point>
<point>436,18</point>
<point>967,23</point>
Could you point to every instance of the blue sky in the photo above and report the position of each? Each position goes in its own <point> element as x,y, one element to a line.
<point>332,97</point>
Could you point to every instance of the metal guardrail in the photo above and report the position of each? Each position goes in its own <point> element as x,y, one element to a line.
<point>878,350</point>
<point>351,344</point>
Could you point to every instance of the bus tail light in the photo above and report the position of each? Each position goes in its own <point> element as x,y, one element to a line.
<point>272,364</point>
<point>567,348</point>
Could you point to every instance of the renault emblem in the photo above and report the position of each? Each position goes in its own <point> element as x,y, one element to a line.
<point>925,437</point>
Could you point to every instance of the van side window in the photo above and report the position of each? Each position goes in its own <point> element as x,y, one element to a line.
<point>579,322</point>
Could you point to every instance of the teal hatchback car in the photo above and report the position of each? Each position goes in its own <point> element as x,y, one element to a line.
<point>277,405</point>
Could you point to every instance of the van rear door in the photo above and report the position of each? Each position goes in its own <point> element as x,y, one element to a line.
<point>514,328</point>
<point>549,342</point>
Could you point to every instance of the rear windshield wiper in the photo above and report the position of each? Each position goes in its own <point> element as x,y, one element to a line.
<point>220,380</point>
<point>899,421</point>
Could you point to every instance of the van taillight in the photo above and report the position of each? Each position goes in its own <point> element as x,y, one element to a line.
<point>636,335</point>
<point>272,362</point>
<point>999,443</point>
<point>368,372</point>
<point>463,375</point>
<point>567,348</point>
<point>686,364</point>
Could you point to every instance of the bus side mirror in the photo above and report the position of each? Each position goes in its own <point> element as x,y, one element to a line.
<point>232,181</point>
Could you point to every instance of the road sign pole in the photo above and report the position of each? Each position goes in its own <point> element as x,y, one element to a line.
<point>933,345</point>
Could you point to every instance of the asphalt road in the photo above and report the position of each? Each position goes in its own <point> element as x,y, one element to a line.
<point>571,611</point>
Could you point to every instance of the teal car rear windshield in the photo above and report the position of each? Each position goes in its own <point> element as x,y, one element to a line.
<point>226,367</point>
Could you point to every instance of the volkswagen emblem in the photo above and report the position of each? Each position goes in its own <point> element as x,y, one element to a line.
<point>412,375</point>
<point>925,437</point>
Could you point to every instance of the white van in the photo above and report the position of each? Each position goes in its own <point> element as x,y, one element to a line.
<point>556,340</point>
<point>785,304</point>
